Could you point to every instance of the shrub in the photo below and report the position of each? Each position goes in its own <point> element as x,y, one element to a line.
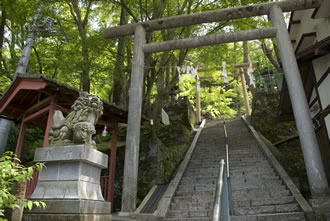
<point>12,172</point>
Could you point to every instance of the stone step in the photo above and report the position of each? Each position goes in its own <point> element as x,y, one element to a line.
<point>252,173</point>
<point>263,201</point>
<point>258,186</point>
<point>296,216</point>
<point>188,205</point>
<point>188,219</point>
<point>189,213</point>
<point>194,193</point>
<point>246,157</point>
<point>250,169</point>
<point>253,176</point>
<point>202,170</point>
<point>247,194</point>
<point>193,179</point>
<point>273,180</point>
<point>193,199</point>
<point>249,164</point>
<point>196,174</point>
<point>293,207</point>
<point>195,187</point>
<point>205,164</point>
<point>199,182</point>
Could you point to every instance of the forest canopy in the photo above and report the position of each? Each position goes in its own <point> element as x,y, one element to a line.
<point>69,46</point>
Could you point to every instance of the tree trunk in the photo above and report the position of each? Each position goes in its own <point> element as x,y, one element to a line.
<point>38,59</point>
<point>82,28</point>
<point>27,49</point>
<point>2,32</point>
<point>269,55</point>
<point>119,95</point>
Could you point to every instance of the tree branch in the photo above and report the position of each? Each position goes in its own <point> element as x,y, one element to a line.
<point>85,21</point>
<point>127,9</point>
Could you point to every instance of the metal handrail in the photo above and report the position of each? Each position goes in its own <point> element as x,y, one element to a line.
<point>218,193</point>
<point>227,148</point>
<point>222,208</point>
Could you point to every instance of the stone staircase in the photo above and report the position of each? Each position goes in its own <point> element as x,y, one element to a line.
<point>258,193</point>
<point>194,196</point>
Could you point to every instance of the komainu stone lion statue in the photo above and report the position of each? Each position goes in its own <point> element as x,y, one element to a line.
<point>79,125</point>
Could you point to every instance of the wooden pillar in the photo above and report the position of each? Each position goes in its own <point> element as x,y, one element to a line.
<point>198,102</point>
<point>20,139</point>
<point>133,125</point>
<point>112,163</point>
<point>49,124</point>
<point>245,94</point>
<point>315,171</point>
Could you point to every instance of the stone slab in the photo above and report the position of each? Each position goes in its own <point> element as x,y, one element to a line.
<point>66,217</point>
<point>72,153</point>
<point>72,207</point>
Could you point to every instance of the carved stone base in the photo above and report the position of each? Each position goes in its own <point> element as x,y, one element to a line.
<point>73,207</point>
<point>70,185</point>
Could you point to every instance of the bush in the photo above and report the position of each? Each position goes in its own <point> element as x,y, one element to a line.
<point>12,172</point>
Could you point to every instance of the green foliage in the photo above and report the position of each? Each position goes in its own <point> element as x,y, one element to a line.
<point>11,172</point>
<point>216,97</point>
<point>60,53</point>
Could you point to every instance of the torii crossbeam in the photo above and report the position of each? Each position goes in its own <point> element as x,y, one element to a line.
<point>316,175</point>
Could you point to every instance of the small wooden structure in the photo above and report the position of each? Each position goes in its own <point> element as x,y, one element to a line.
<point>32,101</point>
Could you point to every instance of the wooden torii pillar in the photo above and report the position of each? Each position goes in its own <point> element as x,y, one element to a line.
<point>241,68</point>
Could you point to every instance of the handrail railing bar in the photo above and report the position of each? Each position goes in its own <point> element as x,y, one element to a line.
<point>218,193</point>
<point>227,148</point>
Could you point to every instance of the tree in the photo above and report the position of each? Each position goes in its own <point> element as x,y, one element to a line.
<point>82,22</point>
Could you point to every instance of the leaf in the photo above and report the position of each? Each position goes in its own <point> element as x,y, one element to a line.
<point>30,204</point>
<point>43,204</point>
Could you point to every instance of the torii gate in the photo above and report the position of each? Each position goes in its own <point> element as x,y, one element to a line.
<point>316,175</point>
<point>241,67</point>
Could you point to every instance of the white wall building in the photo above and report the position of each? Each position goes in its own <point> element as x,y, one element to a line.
<point>310,35</point>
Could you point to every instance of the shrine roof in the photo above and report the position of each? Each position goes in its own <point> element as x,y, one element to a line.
<point>29,94</point>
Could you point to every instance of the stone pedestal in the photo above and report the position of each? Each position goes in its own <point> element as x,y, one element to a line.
<point>70,185</point>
